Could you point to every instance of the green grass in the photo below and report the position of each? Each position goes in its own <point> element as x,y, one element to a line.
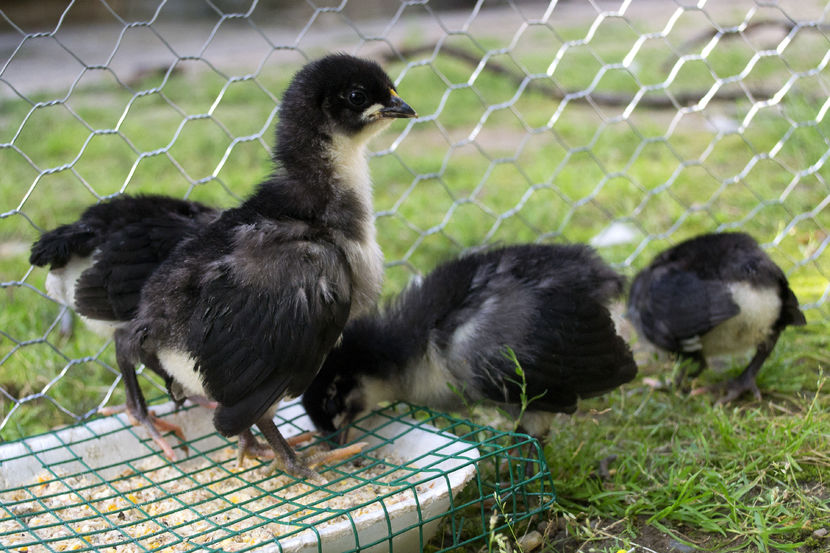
<point>746,477</point>
<point>753,476</point>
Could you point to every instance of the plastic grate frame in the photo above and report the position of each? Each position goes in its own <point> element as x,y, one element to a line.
<point>102,485</point>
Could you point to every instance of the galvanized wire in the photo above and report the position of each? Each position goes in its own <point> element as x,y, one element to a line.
<point>628,124</point>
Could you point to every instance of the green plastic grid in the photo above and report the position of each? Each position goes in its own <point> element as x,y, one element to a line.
<point>510,484</point>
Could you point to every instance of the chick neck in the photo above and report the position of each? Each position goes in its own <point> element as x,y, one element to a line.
<point>322,180</point>
<point>380,349</point>
<point>322,172</point>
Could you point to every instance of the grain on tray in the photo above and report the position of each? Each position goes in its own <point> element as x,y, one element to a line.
<point>204,501</point>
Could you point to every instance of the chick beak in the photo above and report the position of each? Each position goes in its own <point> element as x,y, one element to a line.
<point>397,108</point>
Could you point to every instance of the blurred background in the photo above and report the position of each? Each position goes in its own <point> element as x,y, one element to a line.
<point>628,125</point>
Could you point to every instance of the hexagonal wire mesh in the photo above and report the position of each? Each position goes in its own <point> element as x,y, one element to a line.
<point>629,124</point>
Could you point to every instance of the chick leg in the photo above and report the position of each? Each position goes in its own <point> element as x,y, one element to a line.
<point>694,361</point>
<point>249,446</point>
<point>175,390</point>
<point>285,457</point>
<point>745,382</point>
<point>136,407</point>
<point>67,327</point>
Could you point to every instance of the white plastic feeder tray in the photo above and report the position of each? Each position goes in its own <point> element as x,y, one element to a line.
<point>451,460</point>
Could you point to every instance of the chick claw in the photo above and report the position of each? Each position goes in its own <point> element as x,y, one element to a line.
<point>154,425</point>
<point>299,470</point>
<point>733,388</point>
<point>736,388</point>
<point>296,466</point>
<point>304,468</point>
<point>335,455</point>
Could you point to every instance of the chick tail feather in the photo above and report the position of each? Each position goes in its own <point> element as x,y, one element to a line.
<point>791,314</point>
<point>622,369</point>
<point>55,247</point>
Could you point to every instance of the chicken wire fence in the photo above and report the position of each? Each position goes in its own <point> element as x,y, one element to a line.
<point>630,125</point>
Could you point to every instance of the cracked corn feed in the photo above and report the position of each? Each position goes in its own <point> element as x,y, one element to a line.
<point>204,502</point>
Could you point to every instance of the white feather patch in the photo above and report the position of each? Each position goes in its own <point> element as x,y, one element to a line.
<point>365,258</point>
<point>427,381</point>
<point>60,286</point>
<point>464,337</point>
<point>759,309</point>
<point>691,344</point>
<point>60,283</point>
<point>369,112</point>
<point>182,368</point>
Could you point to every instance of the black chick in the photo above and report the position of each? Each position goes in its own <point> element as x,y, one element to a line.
<point>98,265</point>
<point>447,335</point>
<point>245,311</point>
<point>711,295</point>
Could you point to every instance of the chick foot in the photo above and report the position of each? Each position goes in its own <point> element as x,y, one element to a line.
<point>202,401</point>
<point>250,447</point>
<point>745,382</point>
<point>737,387</point>
<point>285,458</point>
<point>335,455</point>
<point>154,425</point>
<point>731,390</point>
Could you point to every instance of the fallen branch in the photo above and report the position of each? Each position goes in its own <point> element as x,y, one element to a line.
<point>784,25</point>
<point>669,100</point>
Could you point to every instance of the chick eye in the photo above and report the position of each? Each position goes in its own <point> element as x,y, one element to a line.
<point>357,98</point>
